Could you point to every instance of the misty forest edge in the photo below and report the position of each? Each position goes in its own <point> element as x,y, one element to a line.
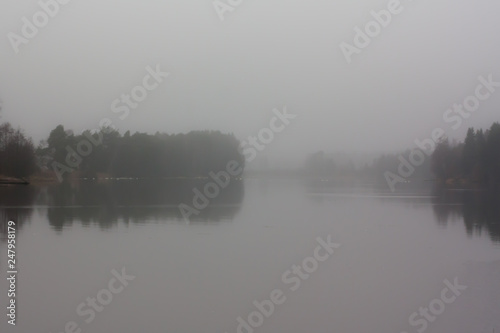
<point>107,154</point>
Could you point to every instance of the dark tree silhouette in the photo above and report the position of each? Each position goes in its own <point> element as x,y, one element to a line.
<point>17,153</point>
<point>476,160</point>
<point>144,155</point>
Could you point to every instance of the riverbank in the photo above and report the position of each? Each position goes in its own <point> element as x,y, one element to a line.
<point>12,181</point>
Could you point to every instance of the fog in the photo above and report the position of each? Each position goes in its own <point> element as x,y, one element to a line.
<point>250,166</point>
<point>230,74</point>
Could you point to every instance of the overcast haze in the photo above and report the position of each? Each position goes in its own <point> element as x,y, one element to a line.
<point>229,75</point>
<point>326,211</point>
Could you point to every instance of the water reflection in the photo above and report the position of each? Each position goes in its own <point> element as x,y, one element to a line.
<point>131,201</point>
<point>109,203</point>
<point>417,195</point>
<point>479,209</point>
<point>16,204</point>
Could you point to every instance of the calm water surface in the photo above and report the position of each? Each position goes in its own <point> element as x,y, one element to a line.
<point>397,249</point>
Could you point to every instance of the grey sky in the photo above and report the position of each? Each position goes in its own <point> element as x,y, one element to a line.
<point>229,75</point>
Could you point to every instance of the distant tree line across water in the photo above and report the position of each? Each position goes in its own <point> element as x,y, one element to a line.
<point>109,153</point>
<point>139,155</point>
<point>17,152</point>
<point>476,160</point>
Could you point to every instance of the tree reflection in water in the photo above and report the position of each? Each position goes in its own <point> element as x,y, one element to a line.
<point>479,209</point>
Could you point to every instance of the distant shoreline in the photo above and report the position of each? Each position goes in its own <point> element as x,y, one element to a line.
<point>13,181</point>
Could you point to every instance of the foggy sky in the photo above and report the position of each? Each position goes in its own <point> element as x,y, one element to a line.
<point>229,75</point>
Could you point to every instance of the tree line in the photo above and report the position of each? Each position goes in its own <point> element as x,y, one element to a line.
<point>195,154</point>
<point>17,152</point>
<point>475,160</point>
<point>107,152</point>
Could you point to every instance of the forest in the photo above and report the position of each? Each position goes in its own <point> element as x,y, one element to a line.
<point>475,160</point>
<point>107,153</point>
